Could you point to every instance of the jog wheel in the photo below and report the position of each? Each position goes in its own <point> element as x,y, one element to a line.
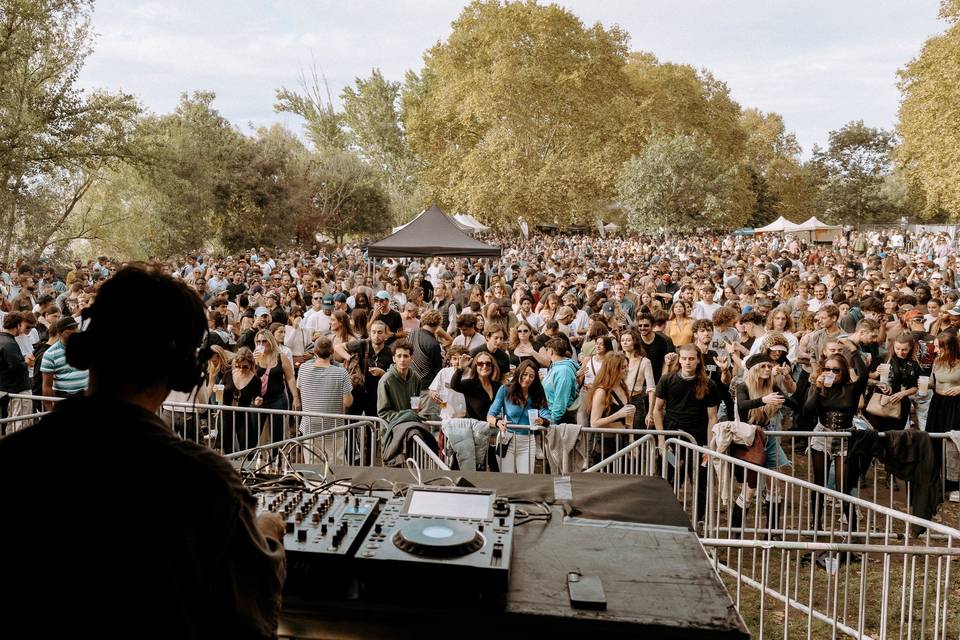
<point>438,539</point>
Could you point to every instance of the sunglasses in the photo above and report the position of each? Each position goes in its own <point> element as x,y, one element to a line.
<point>484,364</point>
<point>520,331</point>
<point>833,369</point>
<point>241,367</point>
<point>260,342</point>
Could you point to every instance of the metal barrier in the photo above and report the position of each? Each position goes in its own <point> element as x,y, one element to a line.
<point>821,561</point>
<point>875,484</point>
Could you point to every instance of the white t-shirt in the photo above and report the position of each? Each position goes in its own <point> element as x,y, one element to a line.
<point>456,403</point>
<point>470,343</point>
<point>316,321</point>
<point>704,310</point>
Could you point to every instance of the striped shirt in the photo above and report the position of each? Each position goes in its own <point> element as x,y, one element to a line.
<point>321,391</point>
<point>66,379</point>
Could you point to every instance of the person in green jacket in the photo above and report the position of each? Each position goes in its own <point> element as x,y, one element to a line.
<point>399,383</point>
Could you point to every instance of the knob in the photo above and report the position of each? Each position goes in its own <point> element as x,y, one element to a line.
<point>480,527</point>
<point>290,527</point>
<point>356,502</point>
<point>503,522</point>
<point>323,530</point>
<point>302,535</point>
<point>378,528</point>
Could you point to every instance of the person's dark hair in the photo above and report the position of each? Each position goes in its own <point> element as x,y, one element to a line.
<point>948,343</point>
<point>323,348</point>
<point>467,321</point>
<point>701,324</point>
<point>843,378</point>
<point>752,317</point>
<point>560,347</point>
<point>402,343</point>
<point>12,320</point>
<point>536,394</point>
<point>872,304</point>
<point>645,317</point>
<point>168,352</point>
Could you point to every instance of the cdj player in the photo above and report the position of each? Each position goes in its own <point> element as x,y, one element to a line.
<point>337,543</point>
<point>435,534</point>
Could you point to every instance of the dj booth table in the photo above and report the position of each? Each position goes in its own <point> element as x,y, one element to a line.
<point>629,531</point>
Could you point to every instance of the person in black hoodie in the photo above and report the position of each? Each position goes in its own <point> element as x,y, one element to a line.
<point>198,563</point>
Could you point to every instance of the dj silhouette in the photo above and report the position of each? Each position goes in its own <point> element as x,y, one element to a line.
<point>112,526</point>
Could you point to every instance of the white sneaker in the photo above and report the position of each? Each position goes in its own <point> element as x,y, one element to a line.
<point>954,496</point>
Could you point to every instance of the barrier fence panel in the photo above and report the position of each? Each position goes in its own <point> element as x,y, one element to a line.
<point>802,560</point>
<point>874,484</point>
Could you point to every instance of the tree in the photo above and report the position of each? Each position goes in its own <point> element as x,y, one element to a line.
<point>372,116</point>
<point>343,197</point>
<point>516,114</point>
<point>54,141</point>
<point>324,124</point>
<point>257,203</point>
<point>677,182</point>
<point>676,99</point>
<point>929,120</point>
<point>852,170</point>
<point>773,160</point>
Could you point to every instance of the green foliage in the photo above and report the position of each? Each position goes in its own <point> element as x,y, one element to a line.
<point>54,140</point>
<point>343,197</point>
<point>678,182</point>
<point>517,114</point>
<point>930,121</point>
<point>851,172</point>
<point>324,126</point>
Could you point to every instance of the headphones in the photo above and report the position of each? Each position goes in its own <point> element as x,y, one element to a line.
<point>189,367</point>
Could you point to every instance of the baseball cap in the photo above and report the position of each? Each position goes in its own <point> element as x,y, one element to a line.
<point>955,311</point>
<point>607,309</point>
<point>261,311</point>
<point>913,314</point>
<point>340,297</point>
<point>65,324</point>
<point>328,302</point>
<point>382,295</point>
<point>602,286</point>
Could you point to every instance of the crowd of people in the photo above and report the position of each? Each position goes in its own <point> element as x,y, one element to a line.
<point>670,331</point>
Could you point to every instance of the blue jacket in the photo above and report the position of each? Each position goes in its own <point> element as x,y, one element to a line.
<point>515,414</point>
<point>561,387</point>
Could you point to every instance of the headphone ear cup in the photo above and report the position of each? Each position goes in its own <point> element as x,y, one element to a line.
<point>79,350</point>
<point>187,375</point>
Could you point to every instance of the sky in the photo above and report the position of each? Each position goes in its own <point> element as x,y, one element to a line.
<point>819,64</point>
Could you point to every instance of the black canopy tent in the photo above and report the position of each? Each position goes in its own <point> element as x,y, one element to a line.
<point>432,233</point>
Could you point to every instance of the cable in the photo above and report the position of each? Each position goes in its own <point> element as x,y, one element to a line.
<point>416,476</point>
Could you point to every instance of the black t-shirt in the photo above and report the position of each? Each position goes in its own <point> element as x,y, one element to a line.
<point>392,319</point>
<point>683,411</point>
<point>233,290</point>
<point>500,356</point>
<point>190,562</point>
<point>369,359</point>
<point>657,350</point>
<point>14,375</point>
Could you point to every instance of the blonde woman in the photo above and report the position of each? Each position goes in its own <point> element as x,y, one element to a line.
<point>274,373</point>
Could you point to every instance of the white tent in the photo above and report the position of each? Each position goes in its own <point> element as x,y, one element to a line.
<point>780,225</point>
<point>611,227</point>
<point>812,224</point>
<point>471,223</point>
<point>820,231</point>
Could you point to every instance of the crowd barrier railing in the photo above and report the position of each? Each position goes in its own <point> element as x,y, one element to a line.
<point>817,562</point>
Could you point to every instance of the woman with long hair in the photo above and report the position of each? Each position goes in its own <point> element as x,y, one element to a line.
<point>241,389</point>
<point>522,348</point>
<point>640,384</point>
<point>549,307</point>
<point>341,330</point>
<point>679,327</point>
<point>944,414</point>
<point>901,382</point>
<point>362,301</point>
<point>276,376</point>
<point>510,414</point>
<point>834,398</point>
<point>687,400</point>
<point>610,406</point>
<point>480,388</point>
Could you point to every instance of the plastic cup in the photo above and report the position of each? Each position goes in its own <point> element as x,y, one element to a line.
<point>532,415</point>
<point>415,403</point>
<point>829,378</point>
<point>923,385</point>
<point>218,393</point>
<point>884,371</point>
